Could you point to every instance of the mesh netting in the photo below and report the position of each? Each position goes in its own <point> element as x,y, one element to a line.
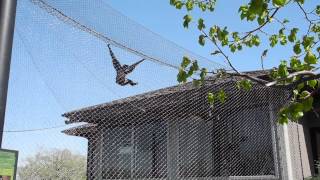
<point>141,41</point>
<point>180,136</point>
<point>167,131</point>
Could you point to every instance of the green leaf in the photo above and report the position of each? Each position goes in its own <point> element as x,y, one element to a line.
<point>300,86</point>
<point>211,98</point>
<point>283,120</point>
<point>235,36</point>
<point>203,74</point>
<point>304,94</point>
<point>233,47</point>
<point>296,115</point>
<point>274,74</point>
<point>312,83</point>
<point>279,3</point>
<point>182,76</point>
<point>285,21</point>
<point>256,40</point>
<point>295,94</point>
<point>256,6</point>
<point>185,62</point>
<point>202,6</point>
<point>222,96</point>
<point>243,10</point>
<point>307,42</point>
<point>178,4</point>
<point>273,40</point>
<point>316,28</point>
<point>300,1</point>
<point>187,20</point>
<point>310,58</point>
<point>283,40</point>
<point>282,37</point>
<point>223,36</point>
<point>318,9</point>
<point>244,84</point>
<point>195,65</point>
<point>211,7</point>
<point>307,104</point>
<point>295,64</point>
<point>189,5</point>
<point>213,31</point>
<point>201,24</point>
<point>264,53</point>
<point>261,20</point>
<point>201,40</point>
<point>173,2</point>
<point>216,52</point>
<point>296,48</point>
<point>283,70</point>
<point>293,35</point>
<point>283,116</point>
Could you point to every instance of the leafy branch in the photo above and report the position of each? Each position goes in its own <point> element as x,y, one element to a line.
<point>299,72</point>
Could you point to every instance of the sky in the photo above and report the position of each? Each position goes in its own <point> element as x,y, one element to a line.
<point>57,68</point>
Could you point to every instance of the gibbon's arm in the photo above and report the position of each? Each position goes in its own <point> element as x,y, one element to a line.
<point>115,62</point>
<point>133,66</point>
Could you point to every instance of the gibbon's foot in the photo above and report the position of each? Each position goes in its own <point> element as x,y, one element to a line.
<point>133,83</point>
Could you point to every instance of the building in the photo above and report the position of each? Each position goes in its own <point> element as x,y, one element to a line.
<point>173,133</point>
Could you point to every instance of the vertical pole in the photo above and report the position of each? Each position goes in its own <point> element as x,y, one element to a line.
<point>7,19</point>
<point>288,152</point>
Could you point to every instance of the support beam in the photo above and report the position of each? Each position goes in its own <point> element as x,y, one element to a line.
<point>288,152</point>
<point>7,20</point>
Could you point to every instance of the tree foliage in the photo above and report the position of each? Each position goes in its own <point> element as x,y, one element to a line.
<point>55,164</point>
<point>299,72</point>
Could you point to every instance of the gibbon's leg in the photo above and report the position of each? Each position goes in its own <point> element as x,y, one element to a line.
<point>131,82</point>
<point>122,81</point>
<point>128,81</point>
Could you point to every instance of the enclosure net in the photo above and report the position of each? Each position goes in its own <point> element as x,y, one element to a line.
<point>180,137</point>
<point>152,130</point>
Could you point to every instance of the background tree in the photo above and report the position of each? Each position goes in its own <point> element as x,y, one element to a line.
<point>298,73</point>
<point>54,164</point>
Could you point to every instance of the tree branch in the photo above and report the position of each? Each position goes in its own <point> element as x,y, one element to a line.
<point>306,17</point>
<point>261,26</point>
<point>220,50</point>
<point>311,76</point>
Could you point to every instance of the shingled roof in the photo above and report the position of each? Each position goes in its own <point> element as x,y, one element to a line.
<point>167,99</point>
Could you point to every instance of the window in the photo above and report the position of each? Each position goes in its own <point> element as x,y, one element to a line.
<point>136,151</point>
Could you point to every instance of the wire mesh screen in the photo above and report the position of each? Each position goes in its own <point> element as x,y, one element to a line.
<point>154,130</point>
<point>179,136</point>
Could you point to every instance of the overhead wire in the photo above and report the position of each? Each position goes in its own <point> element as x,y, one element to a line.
<point>47,86</point>
<point>36,129</point>
<point>37,68</point>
